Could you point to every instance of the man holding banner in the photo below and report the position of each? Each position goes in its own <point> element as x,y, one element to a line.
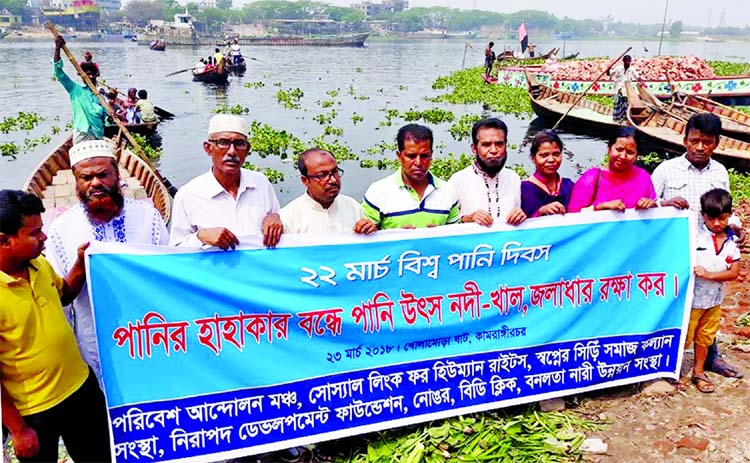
<point>227,202</point>
<point>487,190</point>
<point>411,197</point>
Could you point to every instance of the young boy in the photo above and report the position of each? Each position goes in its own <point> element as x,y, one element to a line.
<point>48,391</point>
<point>718,261</point>
<point>145,108</point>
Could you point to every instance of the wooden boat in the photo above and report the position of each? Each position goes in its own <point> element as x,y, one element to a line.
<point>550,104</point>
<point>569,57</point>
<point>157,45</point>
<point>734,124</point>
<point>236,68</point>
<point>665,130</point>
<point>142,128</point>
<point>508,54</point>
<point>218,75</point>
<point>52,181</point>
<point>727,90</point>
<point>342,40</point>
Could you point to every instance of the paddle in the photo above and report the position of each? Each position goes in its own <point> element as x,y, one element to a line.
<point>589,87</point>
<point>178,72</point>
<point>136,147</point>
<point>161,112</point>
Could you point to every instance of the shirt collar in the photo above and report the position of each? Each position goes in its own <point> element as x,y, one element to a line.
<point>687,165</point>
<point>310,202</point>
<point>400,179</point>
<point>214,188</point>
<point>7,280</point>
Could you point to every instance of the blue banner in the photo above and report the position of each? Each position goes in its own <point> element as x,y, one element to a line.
<point>210,355</point>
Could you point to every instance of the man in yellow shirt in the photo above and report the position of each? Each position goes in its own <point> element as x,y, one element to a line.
<point>48,391</point>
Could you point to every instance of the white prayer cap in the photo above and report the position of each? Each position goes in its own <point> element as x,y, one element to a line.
<point>90,149</point>
<point>228,123</point>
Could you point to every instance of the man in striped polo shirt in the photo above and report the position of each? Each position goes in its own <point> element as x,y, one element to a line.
<point>411,197</point>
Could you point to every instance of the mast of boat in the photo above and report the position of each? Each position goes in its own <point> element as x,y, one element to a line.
<point>663,22</point>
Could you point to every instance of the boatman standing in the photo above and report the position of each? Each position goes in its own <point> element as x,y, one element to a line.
<point>621,75</point>
<point>227,202</point>
<point>88,114</point>
<point>102,214</point>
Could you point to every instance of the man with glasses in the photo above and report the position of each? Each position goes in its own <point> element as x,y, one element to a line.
<point>412,197</point>
<point>321,208</point>
<point>227,202</point>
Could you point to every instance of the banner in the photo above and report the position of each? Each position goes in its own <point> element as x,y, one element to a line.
<point>214,355</point>
<point>523,37</point>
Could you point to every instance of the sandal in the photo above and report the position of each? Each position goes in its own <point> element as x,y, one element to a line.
<point>678,385</point>
<point>720,366</point>
<point>703,384</point>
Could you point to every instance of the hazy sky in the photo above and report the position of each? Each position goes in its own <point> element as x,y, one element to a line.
<point>693,12</point>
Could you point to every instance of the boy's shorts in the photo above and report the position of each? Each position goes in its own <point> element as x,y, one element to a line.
<point>704,324</point>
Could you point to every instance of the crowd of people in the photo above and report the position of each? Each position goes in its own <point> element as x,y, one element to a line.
<point>49,363</point>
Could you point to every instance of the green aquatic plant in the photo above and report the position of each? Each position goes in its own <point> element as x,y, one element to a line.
<point>729,69</point>
<point>274,176</point>
<point>258,84</point>
<point>23,121</point>
<point>151,151</point>
<point>739,183</point>
<point>356,118</point>
<point>445,167</point>
<point>9,149</point>
<point>290,99</point>
<point>331,130</point>
<point>326,103</point>
<point>467,86</point>
<point>326,118</point>
<point>339,150</point>
<point>462,128</point>
<point>380,164</point>
<point>237,110</point>
<point>333,93</point>
<point>267,141</point>
<point>383,148</point>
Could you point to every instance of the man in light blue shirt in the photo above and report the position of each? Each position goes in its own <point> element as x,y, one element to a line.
<point>88,113</point>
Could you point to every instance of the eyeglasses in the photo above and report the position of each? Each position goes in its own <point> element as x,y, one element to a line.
<point>325,176</point>
<point>225,143</point>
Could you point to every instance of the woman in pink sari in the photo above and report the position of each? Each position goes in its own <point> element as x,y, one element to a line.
<point>622,185</point>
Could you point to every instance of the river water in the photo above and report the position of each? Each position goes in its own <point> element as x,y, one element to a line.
<point>395,75</point>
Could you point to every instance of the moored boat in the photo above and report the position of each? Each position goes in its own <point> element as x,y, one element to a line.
<point>507,54</point>
<point>734,123</point>
<point>52,181</point>
<point>727,90</point>
<point>665,130</point>
<point>157,45</point>
<point>342,40</point>
<point>551,104</point>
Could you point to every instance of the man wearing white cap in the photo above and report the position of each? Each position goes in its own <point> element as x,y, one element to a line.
<point>102,215</point>
<point>228,201</point>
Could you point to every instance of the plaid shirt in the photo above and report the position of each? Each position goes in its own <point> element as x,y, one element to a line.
<point>679,178</point>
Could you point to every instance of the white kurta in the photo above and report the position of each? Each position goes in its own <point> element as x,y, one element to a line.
<point>497,195</point>
<point>305,215</point>
<point>139,222</point>
<point>203,203</point>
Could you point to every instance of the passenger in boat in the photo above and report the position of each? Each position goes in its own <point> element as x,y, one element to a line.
<point>321,208</point>
<point>489,58</point>
<point>622,185</point>
<point>116,104</point>
<point>200,66</point>
<point>48,391</point>
<point>545,192</point>
<point>144,108</point>
<point>680,182</point>
<point>218,57</point>
<point>487,190</point>
<point>88,114</point>
<point>129,106</point>
<point>227,202</point>
<point>102,214</point>
<point>88,62</point>
<point>411,197</point>
<point>620,75</point>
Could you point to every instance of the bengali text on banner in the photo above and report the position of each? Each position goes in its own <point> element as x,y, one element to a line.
<point>211,355</point>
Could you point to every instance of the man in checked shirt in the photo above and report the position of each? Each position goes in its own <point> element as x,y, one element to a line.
<point>681,181</point>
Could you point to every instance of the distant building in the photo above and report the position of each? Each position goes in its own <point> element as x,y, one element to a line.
<point>110,5</point>
<point>7,19</point>
<point>371,9</point>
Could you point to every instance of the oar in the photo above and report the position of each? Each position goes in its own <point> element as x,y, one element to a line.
<point>136,147</point>
<point>161,112</point>
<point>580,97</point>
<point>178,72</point>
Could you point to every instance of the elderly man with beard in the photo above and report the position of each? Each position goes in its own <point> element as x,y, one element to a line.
<point>102,215</point>
<point>227,202</point>
<point>487,190</point>
<point>321,208</point>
